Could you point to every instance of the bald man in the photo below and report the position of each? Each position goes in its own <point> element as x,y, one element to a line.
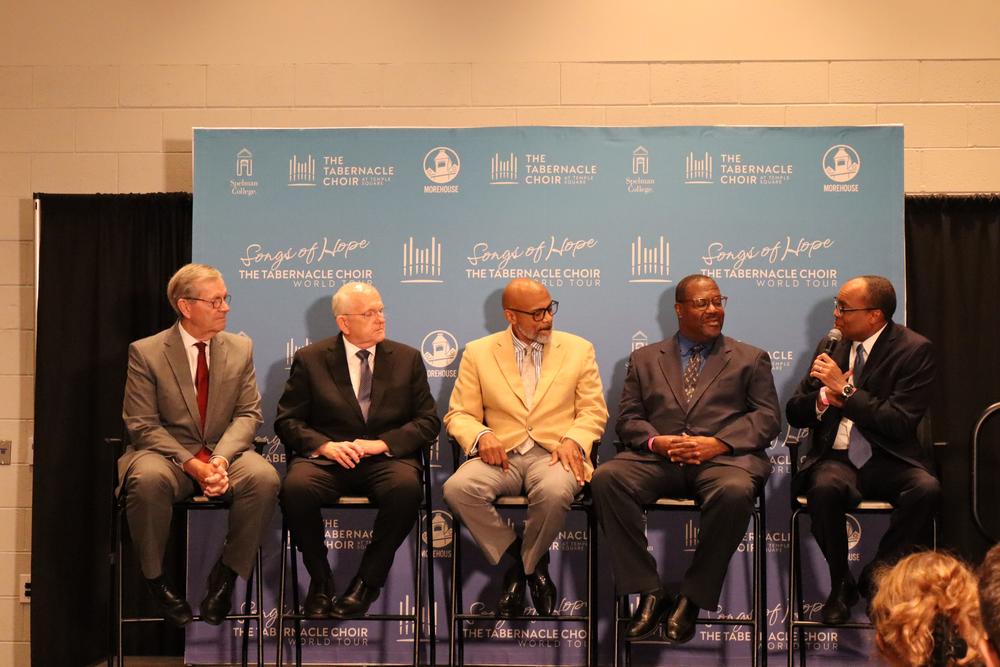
<point>526,408</point>
<point>355,415</point>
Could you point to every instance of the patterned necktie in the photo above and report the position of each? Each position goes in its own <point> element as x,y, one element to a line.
<point>528,376</point>
<point>201,383</point>
<point>859,450</point>
<point>365,386</point>
<point>692,371</point>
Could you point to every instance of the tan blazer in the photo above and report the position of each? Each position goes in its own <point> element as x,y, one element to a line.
<point>489,393</point>
<point>161,404</point>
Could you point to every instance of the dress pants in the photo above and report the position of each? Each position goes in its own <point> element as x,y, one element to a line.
<point>393,485</point>
<point>153,484</point>
<point>726,495</point>
<point>833,486</point>
<point>550,489</point>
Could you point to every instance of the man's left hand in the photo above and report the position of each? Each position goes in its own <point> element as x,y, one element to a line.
<point>217,483</point>
<point>571,456</point>
<point>372,447</point>
<point>696,449</point>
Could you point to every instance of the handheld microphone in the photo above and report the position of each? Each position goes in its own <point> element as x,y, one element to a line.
<point>831,340</point>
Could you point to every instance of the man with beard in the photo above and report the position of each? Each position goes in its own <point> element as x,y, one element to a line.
<point>870,393</point>
<point>355,415</point>
<point>697,411</point>
<point>526,407</point>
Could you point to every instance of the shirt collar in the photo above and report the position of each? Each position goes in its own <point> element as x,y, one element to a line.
<point>686,345</point>
<point>352,349</point>
<point>521,345</point>
<point>188,339</point>
<point>869,342</point>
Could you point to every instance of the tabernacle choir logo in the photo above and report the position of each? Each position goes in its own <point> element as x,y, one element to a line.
<point>422,264</point>
<point>439,349</point>
<point>650,262</point>
<point>244,185</point>
<point>302,172</point>
<point>639,182</point>
<point>503,169</point>
<point>698,170</point>
<point>841,164</point>
<point>441,166</point>
<point>290,349</point>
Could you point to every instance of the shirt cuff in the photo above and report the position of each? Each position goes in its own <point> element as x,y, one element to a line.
<point>649,443</point>
<point>221,458</point>
<point>824,400</point>
<point>474,450</point>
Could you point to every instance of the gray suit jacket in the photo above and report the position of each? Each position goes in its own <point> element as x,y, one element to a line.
<point>161,403</point>
<point>734,400</point>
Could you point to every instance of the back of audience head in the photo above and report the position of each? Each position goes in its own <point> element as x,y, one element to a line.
<point>989,603</point>
<point>926,613</point>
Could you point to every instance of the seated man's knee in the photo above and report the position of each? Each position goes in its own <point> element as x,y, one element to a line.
<point>407,490</point>
<point>735,492</point>
<point>147,482</point>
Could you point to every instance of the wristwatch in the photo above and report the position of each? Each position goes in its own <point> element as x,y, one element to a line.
<point>847,391</point>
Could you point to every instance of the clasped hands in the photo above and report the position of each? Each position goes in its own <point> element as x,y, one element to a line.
<point>348,453</point>
<point>688,449</point>
<point>568,453</point>
<point>826,370</point>
<point>212,477</point>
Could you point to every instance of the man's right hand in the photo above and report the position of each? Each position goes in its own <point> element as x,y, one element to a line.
<point>492,451</point>
<point>213,480</point>
<point>347,454</point>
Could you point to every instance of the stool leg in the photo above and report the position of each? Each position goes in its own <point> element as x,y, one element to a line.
<point>591,588</point>
<point>417,593</point>
<point>281,594</point>
<point>119,597</point>
<point>431,606</point>
<point>453,622</point>
<point>245,622</point>
<point>260,606</point>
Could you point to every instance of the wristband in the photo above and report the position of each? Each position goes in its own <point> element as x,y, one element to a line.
<point>822,396</point>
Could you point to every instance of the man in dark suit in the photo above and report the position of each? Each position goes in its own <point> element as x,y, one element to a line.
<point>355,414</point>
<point>697,411</point>
<point>870,393</point>
<point>191,409</point>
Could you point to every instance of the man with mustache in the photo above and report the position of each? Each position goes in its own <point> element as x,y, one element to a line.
<point>355,414</point>
<point>697,412</point>
<point>873,389</point>
<point>526,407</point>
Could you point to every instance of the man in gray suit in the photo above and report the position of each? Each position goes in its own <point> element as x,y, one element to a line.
<point>192,409</point>
<point>697,411</point>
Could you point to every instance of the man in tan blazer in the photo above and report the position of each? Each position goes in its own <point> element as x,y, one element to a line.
<point>526,408</point>
<point>191,409</point>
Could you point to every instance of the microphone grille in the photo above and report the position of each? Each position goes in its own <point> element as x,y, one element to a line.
<point>835,334</point>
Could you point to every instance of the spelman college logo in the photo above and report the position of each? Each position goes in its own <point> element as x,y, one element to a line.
<point>244,185</point>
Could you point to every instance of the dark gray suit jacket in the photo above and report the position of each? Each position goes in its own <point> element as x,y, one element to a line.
<point>734,400</point>
<point>161,404</point>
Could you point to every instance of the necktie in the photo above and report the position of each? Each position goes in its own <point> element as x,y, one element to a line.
<point>692,371</point>
<point>859,450</point>
<point>201,383</point>
<point>365,386</point>
<point>528,377</point>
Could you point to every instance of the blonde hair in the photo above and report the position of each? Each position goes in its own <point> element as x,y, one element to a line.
<point>182,283</point>
<point>926,612</point>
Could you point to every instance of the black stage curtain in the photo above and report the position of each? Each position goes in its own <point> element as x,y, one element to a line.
<point>103,266</point>
<point>953,298</point>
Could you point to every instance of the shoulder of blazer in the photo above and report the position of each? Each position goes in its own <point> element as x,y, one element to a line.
<point>395,347</point>
<point>747,349</point>
<point>570,339</point>
<point>159,339</point>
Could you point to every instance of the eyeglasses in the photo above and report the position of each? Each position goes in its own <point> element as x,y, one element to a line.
<point>703,304</point>
<point>215,303</point>
<point>539,314</point>
<point>840,310</point>
<point>368,315</point>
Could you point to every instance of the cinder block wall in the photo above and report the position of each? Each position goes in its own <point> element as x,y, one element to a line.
<point>102,96</point>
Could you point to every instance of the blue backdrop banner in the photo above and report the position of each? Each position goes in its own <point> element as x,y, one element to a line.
<point>609,219</point>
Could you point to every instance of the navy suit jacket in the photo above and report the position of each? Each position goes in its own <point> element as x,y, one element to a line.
<point>319,404</point>
<point>893,394</point>
<point>734,400</point>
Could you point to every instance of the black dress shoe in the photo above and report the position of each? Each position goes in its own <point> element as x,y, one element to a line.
<point>647,615</point>
<point>319,599</point>
<point>355,601</point>
<point>219,596</point>
<point>543,590</point>
<point>174,608</point>
<point>679,626</point>
<point>511,601</point>
<point>843,596</point>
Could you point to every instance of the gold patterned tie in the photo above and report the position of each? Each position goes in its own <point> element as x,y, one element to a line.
<point>692,370</point>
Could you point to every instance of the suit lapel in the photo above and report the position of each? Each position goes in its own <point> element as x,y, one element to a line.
<point>218,359</point>
<point>670,365</point>
<point>552,360</point>
<point>336,362</point>
<point>504,355</point>
<point>717,361</point>
<point>878,354</point>
<point>381,377</point>
<point>177,358</point>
